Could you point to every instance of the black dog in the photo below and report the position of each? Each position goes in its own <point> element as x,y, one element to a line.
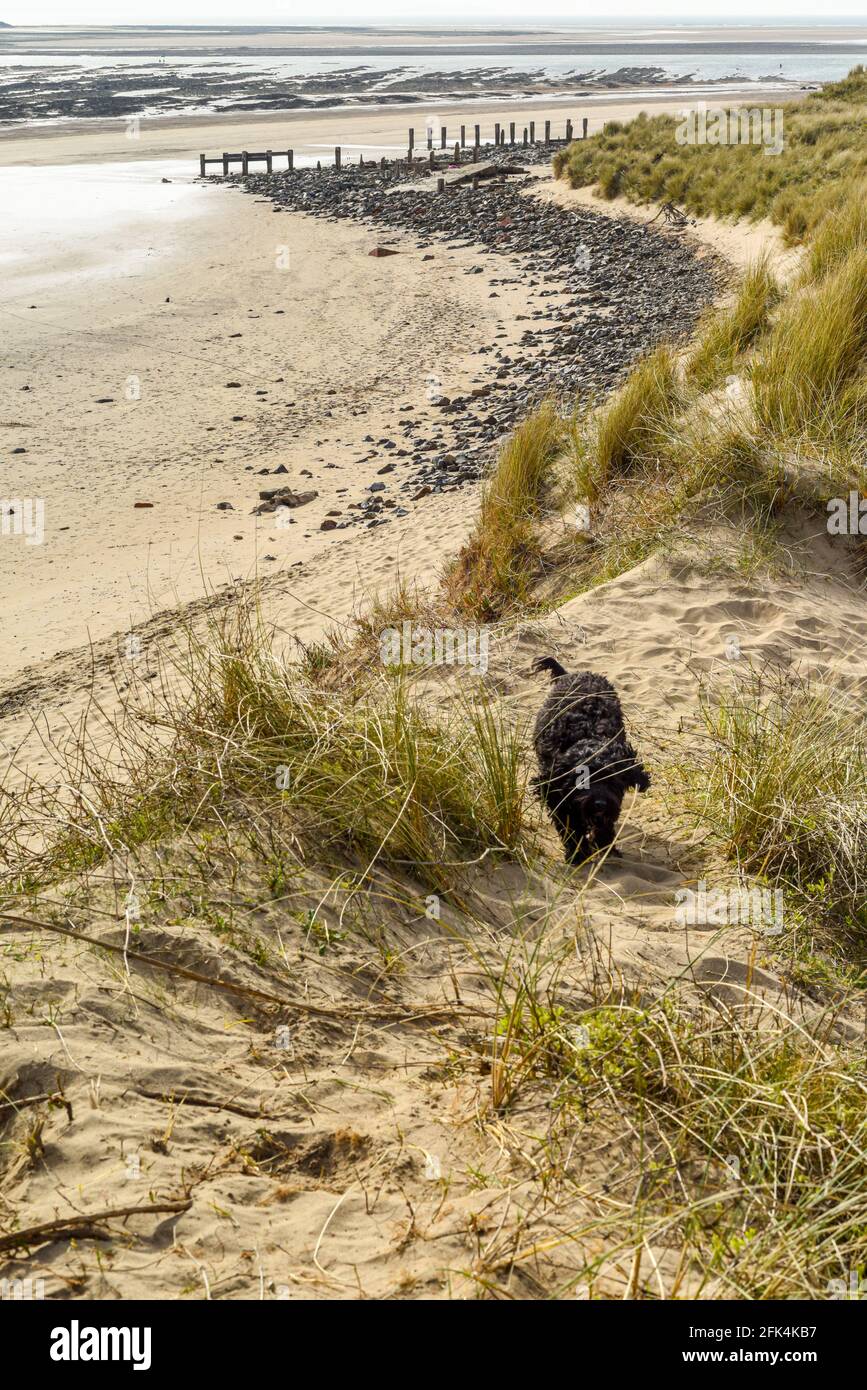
<point>586,762</point>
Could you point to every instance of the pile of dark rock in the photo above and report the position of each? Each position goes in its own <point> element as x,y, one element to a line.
<point>607,290</point>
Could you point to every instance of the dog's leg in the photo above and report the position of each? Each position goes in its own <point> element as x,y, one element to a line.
<point>604,840</point>
<point>573,841</point>
<point>580,850</point>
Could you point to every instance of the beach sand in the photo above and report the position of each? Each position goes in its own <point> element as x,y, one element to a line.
<point>117,390</point>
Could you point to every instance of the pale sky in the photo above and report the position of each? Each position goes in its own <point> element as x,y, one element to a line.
<point>404,12</point>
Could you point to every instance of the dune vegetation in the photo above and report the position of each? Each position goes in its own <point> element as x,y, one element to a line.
<point>822,163</point>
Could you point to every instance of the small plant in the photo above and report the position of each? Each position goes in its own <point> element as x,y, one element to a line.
<point>729,332</point>
<point>778,778</point>
<point>631,427</point>
<point>809,378</point>
<point>494,571</point>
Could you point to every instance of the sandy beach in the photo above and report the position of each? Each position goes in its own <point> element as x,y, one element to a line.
<point>133,295</point>
<point>150,325</point>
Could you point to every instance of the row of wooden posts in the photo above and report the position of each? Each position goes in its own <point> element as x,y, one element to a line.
<point>247,157</point>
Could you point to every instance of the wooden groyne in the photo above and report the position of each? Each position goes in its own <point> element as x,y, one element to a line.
<point>461,151</point>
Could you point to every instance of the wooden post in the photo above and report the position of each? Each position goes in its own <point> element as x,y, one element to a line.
<point>337,157</point>
<point>245,161</point>
<point>475,182</point>
<point>476,153</point>
<point>584,127</point>
<point>547,132</point>
<point>201,166</point>
<point>568,130</point>
<point>511,132</point>
<point>441,185</point>
<point>525,137</point>
<point>497,133</point>
<point>432,159</point>
<point>463,137</point>
<point>430,139</point>
<point>478,137</point>
<point>411,140</point>
<point>269,157</point>
<point>442,137</point>
<point>532,132</point>
<point>290,157</point>
<point>225,164</point>
<point>457,154</point>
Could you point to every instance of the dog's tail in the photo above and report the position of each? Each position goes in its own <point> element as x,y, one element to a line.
<point>550,664</point>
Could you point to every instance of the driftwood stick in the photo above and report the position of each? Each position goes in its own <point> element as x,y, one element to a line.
<point>55,1097</point>
<point>372,1011</point>
<point>84,1221</point>
<point>191,1098</point>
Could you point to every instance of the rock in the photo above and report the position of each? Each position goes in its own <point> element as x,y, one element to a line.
<point>225,507</point>
<point>328,525</point>
<point>383,251</point>
<point>142,504</point>
<point>274,498</point>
